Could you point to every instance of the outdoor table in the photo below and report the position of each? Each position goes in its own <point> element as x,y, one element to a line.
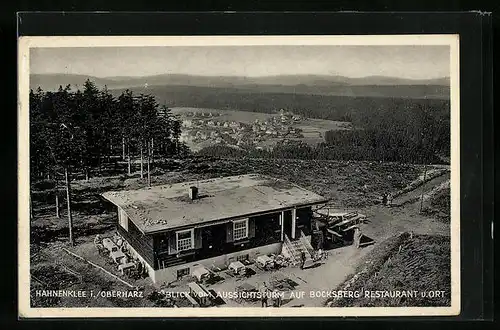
<point>200,273</point>
<point>123,267</point>
<point>192,301</point>
<point>117,256</point>
<point>199,293</point>
<point>237,267</point>
<point>109,245</point>
<point>264,261</point>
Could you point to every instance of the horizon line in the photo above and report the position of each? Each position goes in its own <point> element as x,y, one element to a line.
<point>236,76</point>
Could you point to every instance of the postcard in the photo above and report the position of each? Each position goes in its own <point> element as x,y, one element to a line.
<point>239,176</point>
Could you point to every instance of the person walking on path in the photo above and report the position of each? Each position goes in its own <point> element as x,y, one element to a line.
<point>263,291</point>
<point>277,299</point>
<point>357,237</point>
<point>303,259</point>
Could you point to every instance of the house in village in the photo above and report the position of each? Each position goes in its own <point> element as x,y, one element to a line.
<point>234,124</point>
<point>184,136</point>
<point>176,228</point>
<point>187,123</point>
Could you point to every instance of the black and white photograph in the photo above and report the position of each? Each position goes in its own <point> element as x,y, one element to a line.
<point>239,176</point>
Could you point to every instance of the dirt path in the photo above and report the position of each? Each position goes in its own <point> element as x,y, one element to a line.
<point>405,215</point>
<point>313,283</point>
<point>412,196</point>
<point>385,222</point>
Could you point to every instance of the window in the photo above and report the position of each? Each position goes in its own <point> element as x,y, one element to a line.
<point>182,272</point>
<point>240,229</point>
<point>185,240</point>
<point>242,258</point>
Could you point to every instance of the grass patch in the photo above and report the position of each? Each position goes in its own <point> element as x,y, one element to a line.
<point>439,205</point>
<point>401,263</point>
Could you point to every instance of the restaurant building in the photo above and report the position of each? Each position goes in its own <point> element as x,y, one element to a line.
<point>176,228</point>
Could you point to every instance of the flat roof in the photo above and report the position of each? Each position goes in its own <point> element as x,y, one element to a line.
<point>165,207</point>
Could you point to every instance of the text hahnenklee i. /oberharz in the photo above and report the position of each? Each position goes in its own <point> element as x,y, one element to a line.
<point>331,294</point>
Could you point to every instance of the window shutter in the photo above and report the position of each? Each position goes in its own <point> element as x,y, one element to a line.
<point>123,218</point>
<point>172,243</point>
<point>229,232</point>
<point>197,238</point>
<point>251,228</point>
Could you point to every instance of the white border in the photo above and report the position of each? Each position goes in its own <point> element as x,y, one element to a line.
<point>24,45</point>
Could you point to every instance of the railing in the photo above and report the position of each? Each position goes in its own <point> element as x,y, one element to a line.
<point>295,248</point>
<point>290,251</point>
<point>306,243</point>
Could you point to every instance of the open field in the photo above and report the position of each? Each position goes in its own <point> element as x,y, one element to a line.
<point>351,185</point>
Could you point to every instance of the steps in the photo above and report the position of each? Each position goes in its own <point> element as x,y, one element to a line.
<point>293,250</point>
<point>171,261</point>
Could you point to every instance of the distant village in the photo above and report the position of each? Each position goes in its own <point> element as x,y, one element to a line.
<point>210,129</point>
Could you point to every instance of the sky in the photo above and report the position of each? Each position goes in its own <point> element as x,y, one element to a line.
<point>412,62</point>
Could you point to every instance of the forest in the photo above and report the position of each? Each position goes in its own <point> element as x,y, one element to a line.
<point>394,130</point>
<point>341,107</point>
<point>79,134</point>
<point>82,130</point>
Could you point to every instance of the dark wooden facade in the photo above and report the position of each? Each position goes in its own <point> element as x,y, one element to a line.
<point>143,244</point>
<point>160,249</point>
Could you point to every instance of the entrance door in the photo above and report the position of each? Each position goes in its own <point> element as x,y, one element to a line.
<point>213,239</point>
<point>287,224</point>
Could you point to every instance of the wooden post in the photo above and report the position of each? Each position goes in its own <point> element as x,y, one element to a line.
<point>31,208</point>
<point>282,220</point>
<point>152,150</point>
<point>129,162</point>
<point>99,163</point>
<point>423,187</point>
<point>294,219</point>
<point>68,199</point>
<point>57,205</point>
<point>57,195</point>
<point>149,167</point>
<point>142,164</point>
<point>123,147</point>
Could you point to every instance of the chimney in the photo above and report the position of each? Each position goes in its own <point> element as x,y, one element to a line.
<point>193,192</point>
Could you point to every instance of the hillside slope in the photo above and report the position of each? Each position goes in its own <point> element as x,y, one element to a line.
<point>402,263</point>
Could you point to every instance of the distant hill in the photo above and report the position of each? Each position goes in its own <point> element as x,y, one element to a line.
<point>51,82</point>
<point>340,106</point>
<point>375,86</point>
